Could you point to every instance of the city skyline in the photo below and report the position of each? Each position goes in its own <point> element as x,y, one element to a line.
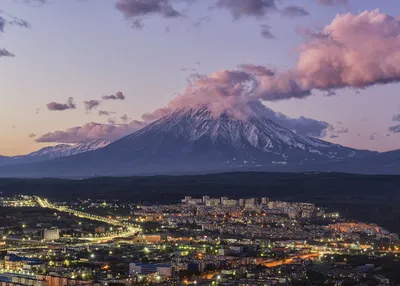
<point>86,61</point>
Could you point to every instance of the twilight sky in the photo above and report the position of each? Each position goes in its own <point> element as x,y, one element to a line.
<point>73,70</point>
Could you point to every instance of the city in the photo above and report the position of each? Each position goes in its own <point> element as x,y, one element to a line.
<point>199,142</point>
<point>201,240</point>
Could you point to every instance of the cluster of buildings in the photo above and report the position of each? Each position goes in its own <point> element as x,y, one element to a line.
<point>13,262</point>
<point>17,201</point>
<point>16,279</point>
<point>203,241</point>
<point>225,201</point>
<point>292,209</point>
<point>364,228</point>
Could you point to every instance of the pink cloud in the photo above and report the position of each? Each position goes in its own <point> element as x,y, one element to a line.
<point>359,51</point>
<point>354,51</point>
<point>91,131</point>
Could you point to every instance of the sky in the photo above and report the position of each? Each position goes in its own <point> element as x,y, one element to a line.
<point>65,64</point>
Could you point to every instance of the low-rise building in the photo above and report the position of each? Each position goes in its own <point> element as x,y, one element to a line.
<point>143,268</point>
<point>51,234</point>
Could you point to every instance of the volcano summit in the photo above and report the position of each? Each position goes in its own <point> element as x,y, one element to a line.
<point>193,140</point>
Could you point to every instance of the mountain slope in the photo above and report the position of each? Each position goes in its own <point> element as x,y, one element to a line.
<point>196,132</point>
<point>51,152</point>
<point>63,150</point>
<point>192,140</point>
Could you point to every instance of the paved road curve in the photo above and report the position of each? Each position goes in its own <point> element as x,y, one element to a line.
<point>130,229</point>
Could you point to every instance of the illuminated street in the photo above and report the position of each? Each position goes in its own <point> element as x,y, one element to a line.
<point>130,229</point>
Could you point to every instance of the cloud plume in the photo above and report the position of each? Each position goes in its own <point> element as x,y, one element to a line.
<point>227,91</point>
<point>301,125</point>
<point>32,135</point>
<point>91,104</point>
<point>354,51</point>
<point>55,106</point>
<point>225,100</point>
<point>396,118</point>
<point>117,96</point>
<point>91,131</point>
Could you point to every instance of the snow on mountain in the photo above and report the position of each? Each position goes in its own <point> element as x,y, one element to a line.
<point>51,152</point>
<point>258,132</point>
<point>62,150</point>
<point>193,140</point>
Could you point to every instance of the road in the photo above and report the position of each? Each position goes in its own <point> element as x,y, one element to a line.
<point>289,260</point>
<point>129,229</point>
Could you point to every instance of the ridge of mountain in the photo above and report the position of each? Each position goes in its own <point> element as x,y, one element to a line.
<point>193,140</point>
<point>62,150</point>
<point>51,152</point>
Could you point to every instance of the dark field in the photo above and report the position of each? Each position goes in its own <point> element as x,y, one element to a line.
<point>367,198</point>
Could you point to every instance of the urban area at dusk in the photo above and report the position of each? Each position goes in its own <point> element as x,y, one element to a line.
<point>199,142</point>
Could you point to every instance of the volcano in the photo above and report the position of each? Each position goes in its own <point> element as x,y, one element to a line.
<point>193,140</point>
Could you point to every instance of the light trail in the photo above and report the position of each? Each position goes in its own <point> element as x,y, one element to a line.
<point>130,228</point>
